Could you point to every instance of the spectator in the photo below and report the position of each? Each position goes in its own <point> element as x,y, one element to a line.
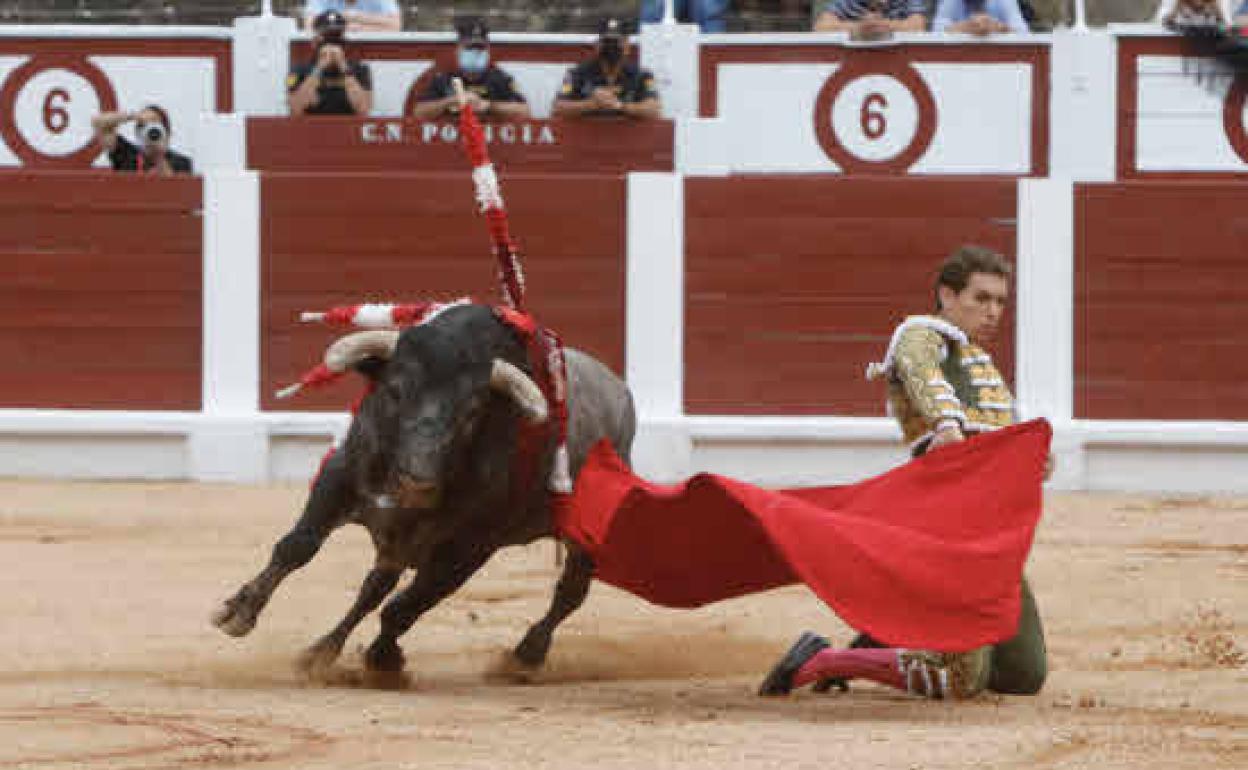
<point>1194,13</point>
<point>979,17</point>
<point>608,84</point>
<point>361,15</point>
<point>709,15</point>
<point>330,84</point>
<point>872,19</point>
<point>490,90</point>
<point>152,129</point>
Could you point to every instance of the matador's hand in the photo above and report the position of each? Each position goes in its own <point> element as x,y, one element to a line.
<point>950,434</point>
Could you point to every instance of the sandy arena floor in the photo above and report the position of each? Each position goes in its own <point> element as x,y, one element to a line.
<point>109,660</point>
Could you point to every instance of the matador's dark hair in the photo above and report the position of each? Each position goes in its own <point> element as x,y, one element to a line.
<point>958,267</point>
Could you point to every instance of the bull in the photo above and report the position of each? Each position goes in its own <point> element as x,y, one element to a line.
<point>427,467</point>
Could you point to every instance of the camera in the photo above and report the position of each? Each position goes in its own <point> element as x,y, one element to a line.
<point>152,133</point>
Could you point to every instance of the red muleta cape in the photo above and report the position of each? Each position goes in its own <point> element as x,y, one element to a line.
<point>928,555</point>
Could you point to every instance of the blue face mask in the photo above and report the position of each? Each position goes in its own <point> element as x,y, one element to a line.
<point>474,61</point>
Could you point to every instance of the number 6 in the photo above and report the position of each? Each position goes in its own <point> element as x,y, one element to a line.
<point>873,122</point>
<point>55,116</point>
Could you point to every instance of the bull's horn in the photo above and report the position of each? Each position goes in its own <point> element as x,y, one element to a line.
<point>348,351</point>
<point>516,385</point>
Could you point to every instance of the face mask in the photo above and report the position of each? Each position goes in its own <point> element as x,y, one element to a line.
<point>611,51</point>
<point>474,61</point>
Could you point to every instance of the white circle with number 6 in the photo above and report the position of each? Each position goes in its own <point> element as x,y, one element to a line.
<point>53,111</point>
<point>875,117</point>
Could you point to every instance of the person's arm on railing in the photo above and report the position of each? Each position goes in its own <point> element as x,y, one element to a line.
<point>915,22</point>
<point>431,109</point>
<point>511,110</point>
<point>360,21</point>
<point>646,109</point>
<point>830,22</point>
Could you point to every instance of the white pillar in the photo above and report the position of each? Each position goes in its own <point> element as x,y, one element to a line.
<point>1045,371</point>
<point>1083,105</point>
<point>222,142</point>
<point>655,323</point>
<point>670,51</point>
<point>261,57</point>
<point>231,443</point>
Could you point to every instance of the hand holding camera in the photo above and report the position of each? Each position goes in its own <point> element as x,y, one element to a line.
<point>331,60</point>
<point>151,134</point>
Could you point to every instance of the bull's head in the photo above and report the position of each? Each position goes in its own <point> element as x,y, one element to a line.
<point>413,433</point>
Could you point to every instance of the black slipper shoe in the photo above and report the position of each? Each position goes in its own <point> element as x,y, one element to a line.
<point>779,680</point>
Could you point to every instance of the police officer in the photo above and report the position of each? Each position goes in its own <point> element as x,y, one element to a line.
<point>330,84</point>
<point>609,83</point>
<point>490,90</point>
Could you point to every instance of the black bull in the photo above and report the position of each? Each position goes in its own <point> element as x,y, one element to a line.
<point>426,467</point>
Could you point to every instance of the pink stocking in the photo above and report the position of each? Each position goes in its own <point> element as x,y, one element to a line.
<point>876,664</point>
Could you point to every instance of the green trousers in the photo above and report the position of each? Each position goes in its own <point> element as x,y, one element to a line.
<point>1019,665</point>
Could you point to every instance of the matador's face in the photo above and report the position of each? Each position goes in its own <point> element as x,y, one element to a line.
<point>978,308</point>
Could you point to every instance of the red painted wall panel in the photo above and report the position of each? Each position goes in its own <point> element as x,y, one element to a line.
<point>794,284</point>
<point>1161,301</point>
<point>101,284</point>
<point>332,239</point>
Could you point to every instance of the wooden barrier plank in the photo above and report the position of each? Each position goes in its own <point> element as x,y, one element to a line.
<point>794,284</point>
<point>101,284</point>
<point>1161,298</point>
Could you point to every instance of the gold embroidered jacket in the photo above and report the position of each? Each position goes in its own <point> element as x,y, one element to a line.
<point>936,376</point>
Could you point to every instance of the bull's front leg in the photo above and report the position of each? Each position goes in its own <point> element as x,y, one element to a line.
<point>329,503</point>
<point>570,593</point>
<point>377,585</point>
<point>449,566</point>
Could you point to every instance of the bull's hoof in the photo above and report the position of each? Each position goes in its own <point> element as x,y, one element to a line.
<point>237,615</point>
<point>384,656</point>
<point>318,660</point>
<point>507,669</point>
<point>532,650</point>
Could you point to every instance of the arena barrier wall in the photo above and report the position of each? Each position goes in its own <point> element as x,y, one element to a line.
<point>361,236</point>
<point>741,282</point>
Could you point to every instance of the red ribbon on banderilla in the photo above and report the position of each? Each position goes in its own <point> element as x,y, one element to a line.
<point>365,316</point>
<point>544,346</point>
<point>490,201</point>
